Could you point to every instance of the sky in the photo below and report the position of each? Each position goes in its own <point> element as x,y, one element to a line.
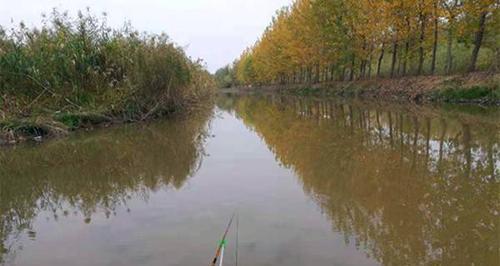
<point>215,30</point>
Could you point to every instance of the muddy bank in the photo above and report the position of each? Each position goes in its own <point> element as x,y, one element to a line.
<point>475,88</point>
<point>40,128</point>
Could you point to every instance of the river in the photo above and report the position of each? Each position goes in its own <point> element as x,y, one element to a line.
<point>314,182</point>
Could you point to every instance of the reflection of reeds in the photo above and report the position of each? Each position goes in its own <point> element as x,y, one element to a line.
<point>409,185</point>
<point>98,172</point>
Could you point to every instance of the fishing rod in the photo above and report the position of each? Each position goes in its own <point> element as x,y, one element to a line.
<point>222,245</point>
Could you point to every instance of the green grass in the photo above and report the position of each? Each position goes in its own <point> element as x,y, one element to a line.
<point>459,94</point>
<point>77,120</point>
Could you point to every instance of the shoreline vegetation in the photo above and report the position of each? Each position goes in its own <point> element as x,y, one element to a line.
<point>72,73</point>
<point>417,50</point>
<point>475,88</point>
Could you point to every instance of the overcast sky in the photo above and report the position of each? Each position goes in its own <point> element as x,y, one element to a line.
<point>215,30</point>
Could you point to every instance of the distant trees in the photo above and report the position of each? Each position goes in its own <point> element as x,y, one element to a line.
<point>325,40</point>
<point>225,77</point>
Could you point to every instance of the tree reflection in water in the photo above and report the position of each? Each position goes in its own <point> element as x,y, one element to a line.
<point>95,173</point>
<point>411,185</point>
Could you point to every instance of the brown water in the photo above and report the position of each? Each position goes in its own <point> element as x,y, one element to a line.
<point>314,183</point>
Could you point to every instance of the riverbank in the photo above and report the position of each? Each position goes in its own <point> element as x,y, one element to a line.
<point>54,125</point>
<point>474,88</point>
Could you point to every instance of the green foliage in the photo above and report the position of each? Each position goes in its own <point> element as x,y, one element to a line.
<point>76,120</point>
<point>225,77</point>
<point>76,65</point>
<point>466,94</point>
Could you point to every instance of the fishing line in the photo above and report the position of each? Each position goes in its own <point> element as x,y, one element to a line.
<point>237,236</point>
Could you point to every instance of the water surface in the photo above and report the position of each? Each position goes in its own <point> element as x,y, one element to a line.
<point>315,182</point>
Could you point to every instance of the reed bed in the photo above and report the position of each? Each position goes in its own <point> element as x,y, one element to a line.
<point>78,70</point>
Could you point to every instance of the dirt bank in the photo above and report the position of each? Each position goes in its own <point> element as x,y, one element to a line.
<point>479,88</point>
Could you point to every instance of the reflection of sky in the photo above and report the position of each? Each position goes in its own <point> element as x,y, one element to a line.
<point>215,30</point>
<point>279,223</point>
<point>288,219</point>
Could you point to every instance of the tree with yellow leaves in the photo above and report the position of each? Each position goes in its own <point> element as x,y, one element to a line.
<point>315,41</point>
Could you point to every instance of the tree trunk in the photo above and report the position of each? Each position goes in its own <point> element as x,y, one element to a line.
<point>370,63</point>
<point>362,66</point>
<point>449,55</point>
<point>353,62</point>
<point>316,78</point>
<point>407,49</point>
<point>434,45</point>
<point>478,41</point>
<point>380,59</point>
<point>332,72</point>
<point>362,69</point>
<point>400,55</point>
<point>496,62</point>
<point>421,45</point>
<point>394,57</point>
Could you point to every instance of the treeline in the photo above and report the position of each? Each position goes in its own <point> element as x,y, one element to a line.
<point>81,65</point>
<point>325,40</point>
